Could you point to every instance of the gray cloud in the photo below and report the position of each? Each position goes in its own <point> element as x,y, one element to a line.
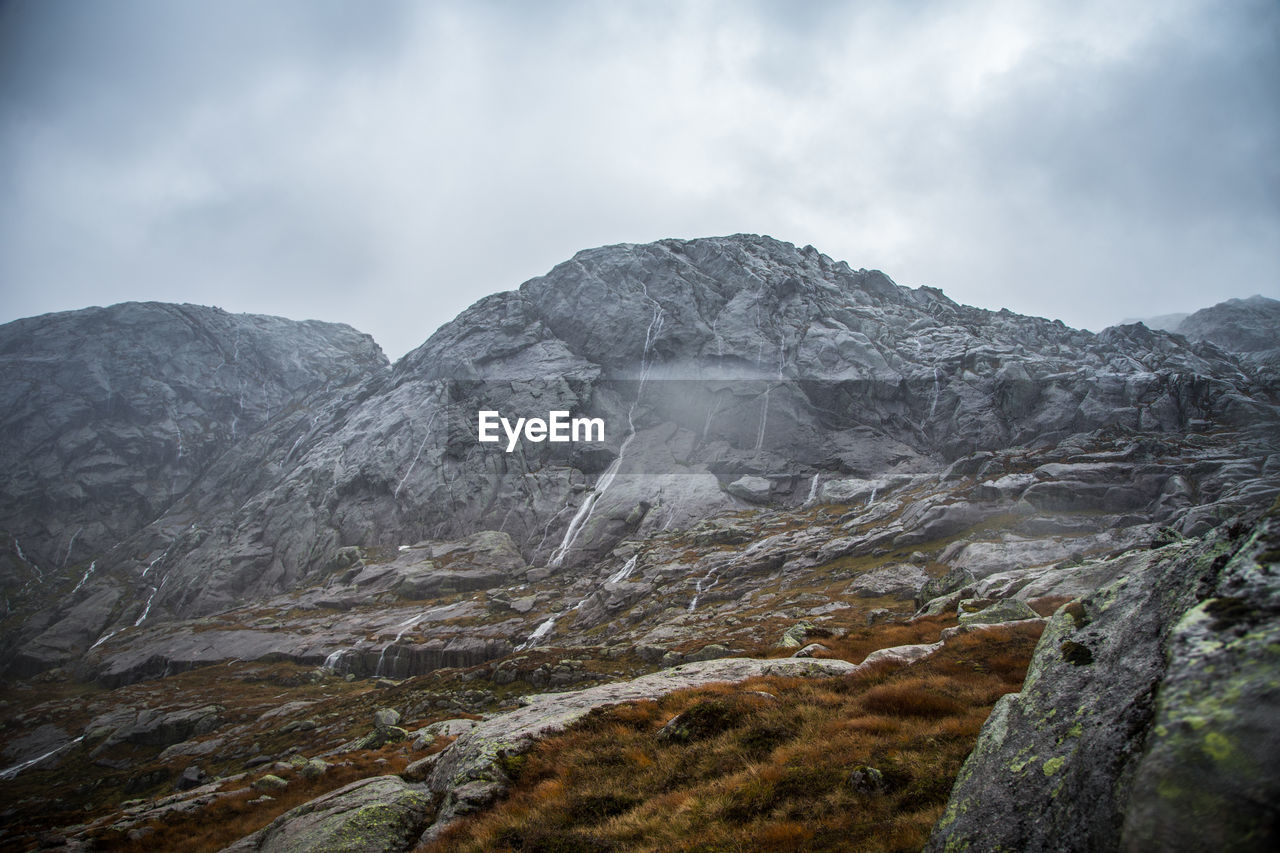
<point>387,164</point>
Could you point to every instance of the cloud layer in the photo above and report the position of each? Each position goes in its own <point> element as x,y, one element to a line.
<point>387,164</point>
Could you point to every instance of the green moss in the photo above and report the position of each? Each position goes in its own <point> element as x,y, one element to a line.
<point>1076,654</point>
<point>1017,766</point>
<point>1053,765</point>
<point>1218,746</point>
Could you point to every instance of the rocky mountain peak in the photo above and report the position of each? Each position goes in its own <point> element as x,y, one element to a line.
<point>1241,325</point>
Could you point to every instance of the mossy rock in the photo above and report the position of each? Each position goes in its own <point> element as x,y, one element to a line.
<point>377,815</point>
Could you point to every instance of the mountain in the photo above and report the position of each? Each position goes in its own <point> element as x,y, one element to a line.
<point>1241,325</point>
<point>790,447</point>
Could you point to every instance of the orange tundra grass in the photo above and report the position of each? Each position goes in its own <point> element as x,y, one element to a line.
<point>766,765</point>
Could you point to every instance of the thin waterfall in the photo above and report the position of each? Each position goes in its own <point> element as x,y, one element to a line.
<point>699,589</point>
<point>813,490</point>
<point>421,446</point>
<point>70,545</point>
<point>10,772</point>
<point>538,633</point>
<point>583,515</point>
<point>146,611</point>
<point>23,557</point>
<point>404,629</point>
<point>625,572</point>
<point>764,414</point>
<point>545,628</point>
<point>92,566</point>
<point>104,638</point>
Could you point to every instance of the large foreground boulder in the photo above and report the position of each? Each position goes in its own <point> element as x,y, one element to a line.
<point>1147,719</point>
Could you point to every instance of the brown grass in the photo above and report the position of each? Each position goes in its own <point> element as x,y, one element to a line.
<point>752,773</point>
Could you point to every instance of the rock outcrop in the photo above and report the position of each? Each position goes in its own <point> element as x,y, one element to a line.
<point>383,814</point>
<point>1146,721</point>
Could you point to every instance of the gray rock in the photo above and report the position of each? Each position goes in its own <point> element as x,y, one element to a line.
<point>112,413</point>
<point>1121,738</point>
<point>426,735</point>
<point>154,727</point>
<point>383,814</point>
<point>1006,610</point>
<point>902,654</point>
<point>297,441</point>
<point>1242,325</point>
<point>751,488</point>
<point>794,637</point>
<point>867,780</point>
<point>1211,764</point>
<point>313,768</point>
<point>191,777</point>
<point>712,651</point>
<point>386,717</point>
<point>902,580</point>
<point>270,782</point>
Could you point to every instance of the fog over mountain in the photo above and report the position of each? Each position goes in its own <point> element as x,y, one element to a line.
<point>800,460</point>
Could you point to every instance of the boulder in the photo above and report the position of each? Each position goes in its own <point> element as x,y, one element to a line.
<point>1140,723</point>
<point>268,783</point>
<point>1005,610</point>
<point>794,637</point>
<point>426,735</point>
<point>902,654</point>
<point>751,488</point>
<point>902,580</point>
<point>191,777</point>
<point>383,814</point>
<point>386,717</point>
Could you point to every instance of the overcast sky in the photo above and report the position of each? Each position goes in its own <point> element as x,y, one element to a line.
<point>386,164</point>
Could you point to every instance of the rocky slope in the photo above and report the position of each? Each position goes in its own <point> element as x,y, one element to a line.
<point>729,371</point>
<point>791,445</point>
<point>112,417</point>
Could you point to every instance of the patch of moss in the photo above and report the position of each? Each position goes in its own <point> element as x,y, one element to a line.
<point>1229,611</point>
<point>1076,654</point>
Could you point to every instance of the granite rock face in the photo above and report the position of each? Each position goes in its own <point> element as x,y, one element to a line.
<point>112,419</point>
<point>1147,717</point>
<point>729,373</point>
